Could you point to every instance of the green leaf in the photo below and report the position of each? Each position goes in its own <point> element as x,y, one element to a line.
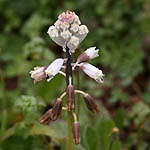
<point>90,138</point>
<point>38,129</point>
<point>104,128</point>
<point>116,145</point>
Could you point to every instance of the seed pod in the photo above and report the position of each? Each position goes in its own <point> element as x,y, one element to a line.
<point>76,133</point>
<point>91,105</point>
<point>56,110</point>
<point>70,97</point>
<point>46,118</point>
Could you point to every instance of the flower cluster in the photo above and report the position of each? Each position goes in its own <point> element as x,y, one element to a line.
<point>68,33</point>
<point>67,30</point>
<point>48,72</point>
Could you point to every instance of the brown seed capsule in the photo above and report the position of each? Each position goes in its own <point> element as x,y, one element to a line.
<point>56,110</point>
<point>76,133</point>
<point>83,58</point>
<point>46,118</point>
<point>70,97</point>
<point>91,105</point>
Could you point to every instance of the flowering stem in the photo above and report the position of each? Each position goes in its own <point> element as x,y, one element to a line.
<point>69,80</point>
<point>78,86</point>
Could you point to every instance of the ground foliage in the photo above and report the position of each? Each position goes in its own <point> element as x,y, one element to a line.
<point>120,29</point>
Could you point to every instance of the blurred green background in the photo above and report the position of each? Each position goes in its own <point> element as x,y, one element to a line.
<point>120,29</point>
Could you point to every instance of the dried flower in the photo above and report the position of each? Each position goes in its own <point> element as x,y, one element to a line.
<point>89,54</point>
<point>54,68</point>
<point>91,105</point>
<point>92,72</point>
<point>46,118</point>
<point>38,73</point>
<point>56,110</point>
<point>76,133</point>
<point>70,97</point>
<point>68,31</point>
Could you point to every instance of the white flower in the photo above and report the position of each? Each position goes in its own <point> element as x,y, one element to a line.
<point>66,34</point>
<point>52,31</point>
<point>74,27</point>
<point>73,43</point>
<point>38,73</point>
<point>57,24</point>
<point>55,36</point>
<point>92,52</point>
<point>83,30</point>
<point>92,72</point>
<point>76,19</point>
<point>54,68</point>
<point>64,25</point>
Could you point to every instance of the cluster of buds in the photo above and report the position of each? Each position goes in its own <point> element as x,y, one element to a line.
<point>68,33</point>
<point>67,30</point>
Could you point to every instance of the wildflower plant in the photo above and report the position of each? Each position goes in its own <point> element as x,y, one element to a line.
<point>68,32</point>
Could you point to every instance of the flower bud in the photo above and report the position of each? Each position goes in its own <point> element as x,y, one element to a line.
<point>70,97</point>
<point>46,118</point>
<point>38,73</point>
<point>92,72</point>
<point>54,68</point>
<point>91,105</point>
<point>56,110</point>
<point>76,133</point>
<point>53,32</point>
<point>73,43</point>
<point>89,54</point>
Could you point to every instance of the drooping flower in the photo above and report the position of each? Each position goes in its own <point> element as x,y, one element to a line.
<point>89,54</point>
<point>54,68</point>
<point>46,118</point>
<point>76,132</point>
<point>38,73</point>
<point>56,110</point>
<point>90,103</point>
<point>70,97</point>
<point>92,72</point>
<point>68,31</point>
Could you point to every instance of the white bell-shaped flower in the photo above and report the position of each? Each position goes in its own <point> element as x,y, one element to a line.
<point>54,68</point>
<point>89,54</point>
<point>92,72</point>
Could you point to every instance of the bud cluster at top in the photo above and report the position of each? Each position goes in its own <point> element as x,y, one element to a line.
<point>67,30</point>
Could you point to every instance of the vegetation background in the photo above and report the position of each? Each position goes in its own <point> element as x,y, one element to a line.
<point>120,29</point>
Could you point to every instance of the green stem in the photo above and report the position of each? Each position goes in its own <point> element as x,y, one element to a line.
<point>111,144</point>
<point>78,87</point>
<point>70,137</point>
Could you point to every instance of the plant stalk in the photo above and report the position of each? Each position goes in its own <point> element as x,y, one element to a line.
<point>69,113</point>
